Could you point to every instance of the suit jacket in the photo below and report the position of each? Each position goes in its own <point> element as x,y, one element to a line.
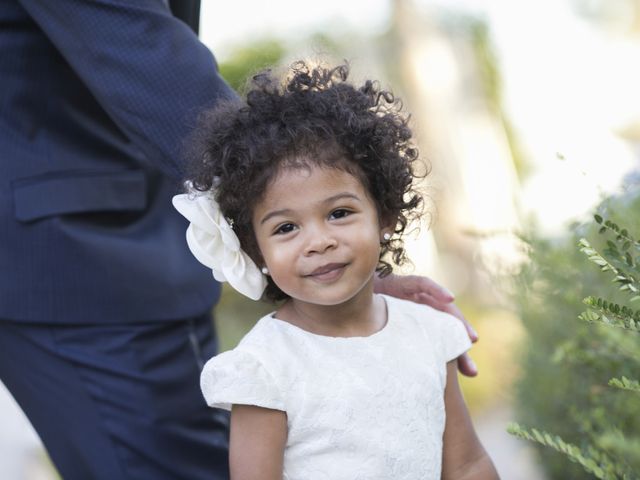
<point>95,100</point>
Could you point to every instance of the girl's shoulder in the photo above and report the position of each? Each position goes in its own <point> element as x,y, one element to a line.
<point>416,312</point>
<point>247,374</point>
<point>267,344</point>
<point>259,332</point>
<point>444,332</point>
<point>267,336</point>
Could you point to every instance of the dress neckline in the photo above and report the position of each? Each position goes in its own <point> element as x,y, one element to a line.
<point>305,332</point>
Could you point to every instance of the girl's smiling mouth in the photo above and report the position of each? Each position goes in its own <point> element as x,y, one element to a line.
<point>327,272</point>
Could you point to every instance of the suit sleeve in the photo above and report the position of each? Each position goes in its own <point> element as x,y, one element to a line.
<point>147,69</point>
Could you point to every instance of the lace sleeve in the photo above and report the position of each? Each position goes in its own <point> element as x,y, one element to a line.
<point>239,377</point>
<point>455,340</point>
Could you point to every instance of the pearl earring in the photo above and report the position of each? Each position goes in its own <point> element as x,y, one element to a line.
<point>265,270</point>
<point>386,236</point>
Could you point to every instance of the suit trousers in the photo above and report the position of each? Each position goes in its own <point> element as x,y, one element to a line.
<point>118,401</point>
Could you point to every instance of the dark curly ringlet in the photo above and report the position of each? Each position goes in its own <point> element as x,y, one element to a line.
<point>314,117</point>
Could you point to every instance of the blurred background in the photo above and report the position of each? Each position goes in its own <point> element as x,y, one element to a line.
<point>529,116</point>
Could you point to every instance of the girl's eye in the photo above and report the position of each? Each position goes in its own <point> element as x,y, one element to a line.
<point>284,228</point>
<point>340,213</point>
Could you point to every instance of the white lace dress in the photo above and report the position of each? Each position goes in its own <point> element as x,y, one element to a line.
<point>358,407</point>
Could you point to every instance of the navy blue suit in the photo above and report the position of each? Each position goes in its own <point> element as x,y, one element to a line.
<point>104,317</point>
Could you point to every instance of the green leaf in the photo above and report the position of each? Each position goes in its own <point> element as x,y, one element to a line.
<point>625,383</point>
<point>629,259</point>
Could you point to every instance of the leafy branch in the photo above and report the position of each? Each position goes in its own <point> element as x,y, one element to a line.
<point>622,235</point>
<point>627,281</point>
<point>622,239</point>
<point>611,314</point>
<point>592,460</point>
<point>625,384</point>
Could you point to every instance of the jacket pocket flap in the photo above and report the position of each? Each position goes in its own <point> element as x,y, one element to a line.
<point>77,192</point>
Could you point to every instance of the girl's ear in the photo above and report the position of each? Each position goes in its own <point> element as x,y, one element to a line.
<point>387,227</point>
<point>385,235</point>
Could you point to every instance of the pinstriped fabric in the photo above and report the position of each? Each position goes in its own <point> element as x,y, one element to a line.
<point>96,97</point>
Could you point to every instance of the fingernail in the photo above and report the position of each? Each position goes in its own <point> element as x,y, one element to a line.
<point>473,332</point>
<point>448,292</point>
<point>473,365</point>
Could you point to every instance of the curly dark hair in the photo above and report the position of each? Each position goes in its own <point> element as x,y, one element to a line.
<point>314,117</point>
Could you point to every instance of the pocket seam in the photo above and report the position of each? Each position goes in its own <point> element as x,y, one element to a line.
<point>69,192</point>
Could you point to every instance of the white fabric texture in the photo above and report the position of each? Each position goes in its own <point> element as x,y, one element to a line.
<point>214,244</point>
<point>357,407</point>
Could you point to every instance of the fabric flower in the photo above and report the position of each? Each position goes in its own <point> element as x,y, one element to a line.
<point>214,244</point>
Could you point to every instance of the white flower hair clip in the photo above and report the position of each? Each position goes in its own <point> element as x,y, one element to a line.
<point>214,243</point>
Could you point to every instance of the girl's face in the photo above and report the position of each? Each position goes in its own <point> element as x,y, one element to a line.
<point>319,234</point>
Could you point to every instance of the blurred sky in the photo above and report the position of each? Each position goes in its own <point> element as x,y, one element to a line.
<point>570,85</point>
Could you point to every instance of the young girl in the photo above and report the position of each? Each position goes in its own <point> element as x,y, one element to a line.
<point>302,194</point>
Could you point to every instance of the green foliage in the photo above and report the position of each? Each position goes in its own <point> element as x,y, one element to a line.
<point>590,458</point>
<point>580,378</point>
<point>610,313</point>
<point>250,59</point>
<point>625,384</point>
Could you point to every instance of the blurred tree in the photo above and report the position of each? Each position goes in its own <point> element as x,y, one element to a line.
<point>622,15</point>
<point>479,37</point>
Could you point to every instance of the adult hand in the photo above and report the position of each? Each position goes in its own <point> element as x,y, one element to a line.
<point>424,290</point>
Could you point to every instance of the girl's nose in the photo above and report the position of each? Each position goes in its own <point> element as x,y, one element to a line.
<point>320,241</point>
